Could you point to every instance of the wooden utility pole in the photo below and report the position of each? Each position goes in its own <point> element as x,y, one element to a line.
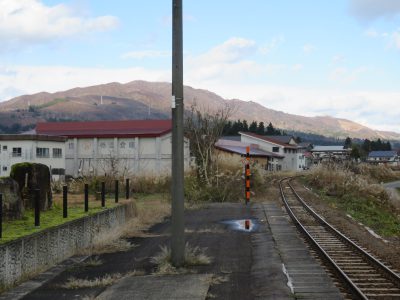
<point>177,237</point>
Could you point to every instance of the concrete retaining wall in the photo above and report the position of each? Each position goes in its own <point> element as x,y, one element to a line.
<point>27,256</point>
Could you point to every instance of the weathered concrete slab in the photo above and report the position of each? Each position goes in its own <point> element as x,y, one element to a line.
<point>159,287</point>
<point>307,278</point>
<point>267,277</point>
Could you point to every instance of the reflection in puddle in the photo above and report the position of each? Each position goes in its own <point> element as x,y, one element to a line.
<point>247,225</point>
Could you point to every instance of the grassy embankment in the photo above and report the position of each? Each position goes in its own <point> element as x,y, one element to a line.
<point>53,217</point>
<point>357,190</point>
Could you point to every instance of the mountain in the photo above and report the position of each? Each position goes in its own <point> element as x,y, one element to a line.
<point>152,100</point>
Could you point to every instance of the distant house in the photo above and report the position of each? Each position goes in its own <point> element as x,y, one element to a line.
<point>290,156</point>
<point>234,152</point>
<point>330,153</point>
<point>44,149</point>
<point>390,158</point>
<point>135,147</point>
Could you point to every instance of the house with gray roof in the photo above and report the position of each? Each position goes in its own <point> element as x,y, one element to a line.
<point>234,152</point>
<point>330,153</point>
<point>291,155</point>
<point>390,158</point>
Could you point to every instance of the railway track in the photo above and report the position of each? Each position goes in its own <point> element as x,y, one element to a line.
<point>362,275</point>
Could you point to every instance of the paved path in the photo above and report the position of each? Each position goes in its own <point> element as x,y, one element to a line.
<point>268,262</point>
<point>392,185</point>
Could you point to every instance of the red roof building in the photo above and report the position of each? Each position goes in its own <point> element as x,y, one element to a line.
<point>104,129</point>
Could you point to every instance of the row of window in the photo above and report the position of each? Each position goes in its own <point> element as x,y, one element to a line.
<point>122,145</point>
<point>40,152</point>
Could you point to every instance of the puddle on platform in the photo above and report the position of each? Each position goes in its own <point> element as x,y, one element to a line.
<point>246,225</point>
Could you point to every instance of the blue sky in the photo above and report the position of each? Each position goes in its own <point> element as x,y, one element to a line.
<point>338,58</point>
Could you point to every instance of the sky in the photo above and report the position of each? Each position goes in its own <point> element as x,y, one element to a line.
<point>339,58</point>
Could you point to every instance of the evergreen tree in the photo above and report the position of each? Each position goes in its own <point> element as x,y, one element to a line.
<point>297,139</point>
<point>270,129</point>
<point>227,128</point>
<point>236,127</point>
<point>355,151</point>
<point>253,127</point>
<point>245,126</point>
<point>347,143</point>
<point>366,146</point>
<point>261,128</point>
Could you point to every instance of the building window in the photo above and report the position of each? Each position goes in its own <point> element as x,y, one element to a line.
<point>102,145</point>
<point>4,168</point>
<point>122,145</point>
<point>57,152</point>
<point>111,145</point>
<point>275,149</point>
<point>4,148</point>
<point>58,171</point>
<point>42,152</point>
<point>131,145</point>
<point>71,145</point>
<point>16,152</point>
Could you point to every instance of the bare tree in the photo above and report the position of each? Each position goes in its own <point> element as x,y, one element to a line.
<point>203,129</point>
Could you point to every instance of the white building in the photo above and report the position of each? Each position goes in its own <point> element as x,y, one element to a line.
<point>134,147</point>
<point>389,158</point>
<point>290,156</point>
<point>44,149</point>
<point>330,153</point>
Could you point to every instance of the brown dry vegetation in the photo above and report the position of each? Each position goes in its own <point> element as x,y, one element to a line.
<point>361,181</point>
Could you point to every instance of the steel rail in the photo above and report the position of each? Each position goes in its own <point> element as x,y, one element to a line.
<point>355,291</point>
<point>395,278</point>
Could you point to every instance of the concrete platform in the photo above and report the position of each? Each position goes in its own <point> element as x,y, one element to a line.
<point>268,262</point>
<point>193,286</point>
<point>306,277</point>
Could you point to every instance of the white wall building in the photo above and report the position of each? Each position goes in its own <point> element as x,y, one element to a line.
<point>44,149</point>
<point>135,147</point>
<point>330,153</point>
<point>292,155</point>
<point>388,158</point>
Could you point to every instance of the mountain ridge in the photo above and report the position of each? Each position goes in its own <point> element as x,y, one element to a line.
<point>141,99</point>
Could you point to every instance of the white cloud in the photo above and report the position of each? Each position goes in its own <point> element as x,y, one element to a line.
<point>146,54</point>
<point>392,39</point>
<point>273,44</point>
<point>34,79</point>
<point>338,59</point>
<point>32,22</point>
<point>228,71</point>
<point>371,33</point>
<point>308,48</point>
<point>395,39</point>
<point>231,51</point>
<point>227,60</point>
<point>345,75</point>
<point>297,67</point>
<point>369,10</point>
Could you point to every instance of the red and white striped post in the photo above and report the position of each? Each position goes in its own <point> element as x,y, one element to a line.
<point>247,175</point>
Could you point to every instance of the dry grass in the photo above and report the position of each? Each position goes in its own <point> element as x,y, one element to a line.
<point>218,279</point>
<point>106,280</point>
<point>194,256</point>
<point>150,210</point>
<point>93,261</point>
<point>76,283</point>
<point>111,245</point>
<point>356,190</point>
<point>339,180</point>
